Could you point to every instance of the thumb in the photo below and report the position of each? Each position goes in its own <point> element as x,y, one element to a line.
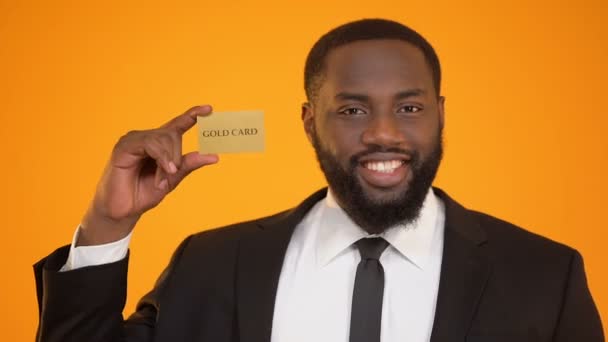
<point>193,161</point>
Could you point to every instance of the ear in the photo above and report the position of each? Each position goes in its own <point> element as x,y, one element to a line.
<point>441,108</point>
<point>308,120</point>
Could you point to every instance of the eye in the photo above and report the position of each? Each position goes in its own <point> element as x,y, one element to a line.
<point>409,109</point>
<point>352,111</point>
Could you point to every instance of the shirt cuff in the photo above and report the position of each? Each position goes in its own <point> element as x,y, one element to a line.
<point>95,255</point>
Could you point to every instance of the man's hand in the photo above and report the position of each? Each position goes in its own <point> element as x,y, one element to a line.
<point>144,167</point>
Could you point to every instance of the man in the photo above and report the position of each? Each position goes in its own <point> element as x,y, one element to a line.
<point>378,256</point>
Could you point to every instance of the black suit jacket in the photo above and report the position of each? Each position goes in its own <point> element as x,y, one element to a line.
<point>498,283</point>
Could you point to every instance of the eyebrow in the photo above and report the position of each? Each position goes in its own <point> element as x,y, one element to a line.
<point>365,98</point>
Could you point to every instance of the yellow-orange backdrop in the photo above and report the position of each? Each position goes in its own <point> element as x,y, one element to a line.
<point>525,116</point>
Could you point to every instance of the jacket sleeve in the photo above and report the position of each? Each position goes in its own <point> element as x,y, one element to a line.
<point>579,318</point>
<point>86,304</point>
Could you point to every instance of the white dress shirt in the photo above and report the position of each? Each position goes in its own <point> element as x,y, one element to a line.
<point>314,294</point>
<point>84,256</point>
<point>315,289</point>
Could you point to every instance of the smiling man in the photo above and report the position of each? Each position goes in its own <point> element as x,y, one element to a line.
<point>380,255</point>
<point>375,120</point>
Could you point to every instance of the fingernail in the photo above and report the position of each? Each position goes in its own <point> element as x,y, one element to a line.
<point>172,167</point>
<point>163,184</point>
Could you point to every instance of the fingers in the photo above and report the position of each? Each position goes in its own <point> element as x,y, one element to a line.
<point>193,161</point>
<point>177,127</point>
<point>163,147</point>
<point>185,121</point>
<point>161,181</point>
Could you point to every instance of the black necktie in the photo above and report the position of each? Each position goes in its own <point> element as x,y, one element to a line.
<point>366,313</point>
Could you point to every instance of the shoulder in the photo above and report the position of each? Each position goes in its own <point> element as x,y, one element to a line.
<point>504,242</point>
<point>213,252</point>
<point>495,233</point>
<point>514,250</point>
<point>514,237</point>
<point>225,239</point>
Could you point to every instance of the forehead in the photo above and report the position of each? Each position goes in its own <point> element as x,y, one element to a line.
<point>377,65</point>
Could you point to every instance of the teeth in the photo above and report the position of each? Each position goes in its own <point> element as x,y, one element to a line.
<point>387,166</point>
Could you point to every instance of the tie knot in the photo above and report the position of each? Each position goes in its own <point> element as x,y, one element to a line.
<point>371,248</point>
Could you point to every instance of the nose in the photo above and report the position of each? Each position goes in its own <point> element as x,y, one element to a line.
<point>383,130</point>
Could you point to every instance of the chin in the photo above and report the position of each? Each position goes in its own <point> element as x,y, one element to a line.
<point>379,196</point>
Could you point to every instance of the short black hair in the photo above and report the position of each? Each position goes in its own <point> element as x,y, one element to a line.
<point>365,29</point>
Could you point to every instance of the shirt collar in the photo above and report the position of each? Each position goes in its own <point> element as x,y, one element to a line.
<point>337,232</point>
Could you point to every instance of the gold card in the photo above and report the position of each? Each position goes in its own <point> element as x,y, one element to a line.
<point>231,132</point>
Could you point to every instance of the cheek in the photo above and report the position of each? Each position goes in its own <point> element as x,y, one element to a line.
<point>422,135</point>
<point>341,138</point>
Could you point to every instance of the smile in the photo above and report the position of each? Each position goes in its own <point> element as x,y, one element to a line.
<point>384,166</point>
<point>382,171</point>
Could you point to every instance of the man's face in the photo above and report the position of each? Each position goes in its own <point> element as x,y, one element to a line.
<point>376,128</point>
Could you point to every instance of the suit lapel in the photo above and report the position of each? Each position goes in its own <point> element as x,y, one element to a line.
<point>464,272</point>
<point>260,260</point>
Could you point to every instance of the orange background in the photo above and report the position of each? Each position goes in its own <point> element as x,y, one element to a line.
<point>525,135</point>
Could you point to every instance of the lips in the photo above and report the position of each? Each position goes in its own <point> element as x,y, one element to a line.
<point>384,170</point>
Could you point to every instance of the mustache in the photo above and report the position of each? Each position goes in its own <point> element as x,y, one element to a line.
<point>414,156</point>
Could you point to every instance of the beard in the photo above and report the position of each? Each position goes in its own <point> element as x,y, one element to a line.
<point>373,215</point>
